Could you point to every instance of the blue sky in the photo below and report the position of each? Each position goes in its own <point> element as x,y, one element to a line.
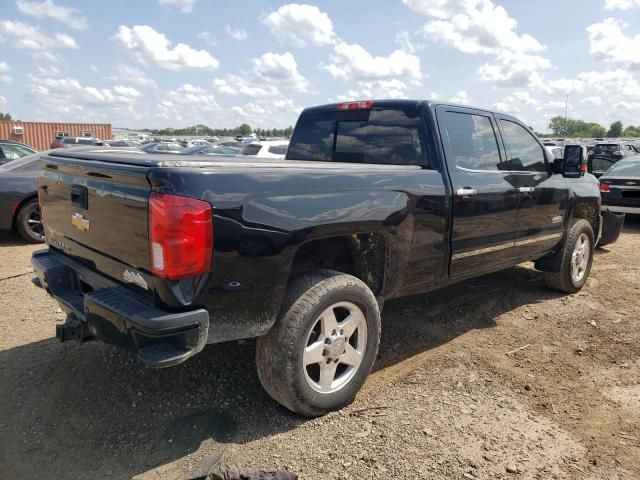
<point>157,63</point>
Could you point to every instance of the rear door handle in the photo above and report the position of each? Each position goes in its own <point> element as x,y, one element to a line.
<point>466,192</point>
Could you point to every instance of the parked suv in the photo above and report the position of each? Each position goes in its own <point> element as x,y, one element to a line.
<point>66,142</point>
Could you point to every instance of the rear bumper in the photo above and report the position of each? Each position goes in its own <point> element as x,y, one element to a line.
<point>97,307</point>
<point>619,209</point>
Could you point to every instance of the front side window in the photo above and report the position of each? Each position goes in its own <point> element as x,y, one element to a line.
<point>524,153</point>
<point>69,140</point>
<point>251,150</point>
<point>473,141</point>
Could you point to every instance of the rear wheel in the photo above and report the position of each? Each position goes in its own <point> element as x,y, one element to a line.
<point>577,257</point>
<point>321,350</point>
<point>29,222</point>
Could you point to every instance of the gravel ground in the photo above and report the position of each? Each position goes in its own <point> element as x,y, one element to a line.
<point>447,399</point>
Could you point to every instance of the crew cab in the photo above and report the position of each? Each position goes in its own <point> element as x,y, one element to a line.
<point>375,200</point>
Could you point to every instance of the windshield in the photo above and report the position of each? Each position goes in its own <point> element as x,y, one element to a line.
<point>625,169</point>
<point>606,148</point>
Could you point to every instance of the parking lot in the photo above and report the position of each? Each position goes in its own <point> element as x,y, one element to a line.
<point>494,378</point>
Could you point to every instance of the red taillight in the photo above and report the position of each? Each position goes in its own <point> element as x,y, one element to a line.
<point>180,236</point>
<point>359,105</point>
<point>604,187</point>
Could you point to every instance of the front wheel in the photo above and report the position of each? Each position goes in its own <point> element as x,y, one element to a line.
<point>577,257</point>
<point>321,350</point>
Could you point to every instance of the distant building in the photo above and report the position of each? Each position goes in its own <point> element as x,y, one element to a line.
<point>40,135</point>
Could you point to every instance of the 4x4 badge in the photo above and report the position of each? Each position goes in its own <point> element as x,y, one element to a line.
<point>81,223</point>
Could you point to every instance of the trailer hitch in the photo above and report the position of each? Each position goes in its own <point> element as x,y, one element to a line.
<point>73,329</point>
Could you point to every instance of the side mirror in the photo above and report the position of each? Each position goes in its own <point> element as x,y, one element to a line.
<point>572,160</point>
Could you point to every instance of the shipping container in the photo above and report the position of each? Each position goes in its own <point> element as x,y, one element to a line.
<point>40,135</point>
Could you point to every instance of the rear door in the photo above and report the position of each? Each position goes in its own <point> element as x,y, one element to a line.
<point>485,197</point>
<point>542,197</point>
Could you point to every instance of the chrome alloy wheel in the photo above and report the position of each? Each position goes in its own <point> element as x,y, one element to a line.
<point>34,223</point>
<point>580,257</point>
<point>335,346</point>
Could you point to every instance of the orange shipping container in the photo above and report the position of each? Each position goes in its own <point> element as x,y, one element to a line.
<point>40,135</point>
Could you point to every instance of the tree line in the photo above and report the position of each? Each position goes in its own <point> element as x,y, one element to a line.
<point>206,131</point>
<point>571,127</point>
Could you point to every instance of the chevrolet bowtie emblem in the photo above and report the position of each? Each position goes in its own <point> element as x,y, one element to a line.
<point>81,223</point>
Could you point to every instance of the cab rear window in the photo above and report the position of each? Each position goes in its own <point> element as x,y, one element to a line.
<point>383,136</point>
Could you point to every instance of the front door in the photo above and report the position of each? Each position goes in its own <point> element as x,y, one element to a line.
<point>542,196</point>
<point>485,198</point>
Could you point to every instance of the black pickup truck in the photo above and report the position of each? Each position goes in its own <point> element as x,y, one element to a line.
<point>374,200</point>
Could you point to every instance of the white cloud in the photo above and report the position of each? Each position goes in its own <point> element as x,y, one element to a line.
<point>461,97</point>
<point>240,85</point>
<point>403,38</point>
<point>70,16</point>
<point>129,74</point>
<point>207,38</point>
<point>592,100</point>
<point>607,41</point>
<point>378,89</point>
<point>475,27</point>
<point>481,27</point>
<point>128,92</point>
<point>621,4</point>
<point>236,34</point>
<point>151,47</point>
<point>352,61</point>
<point>65,40</point>
<point>514,70</point>
<point>4,76</point>
<point>184,6</point>
<point>188,94</point>
<point>281,69</point>
<point>40,44</point>
<point>3,100</point>
<point>300,25</point>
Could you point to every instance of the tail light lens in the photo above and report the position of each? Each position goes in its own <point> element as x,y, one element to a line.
<point>359,105</point>
<point>604,187</point>
<point>181,236</point>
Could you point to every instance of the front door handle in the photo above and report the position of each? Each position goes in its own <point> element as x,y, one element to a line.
<point>526,189</point>
<point>466,192</point>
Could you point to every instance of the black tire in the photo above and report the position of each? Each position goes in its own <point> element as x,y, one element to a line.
<point>564,280</point>
<point>279,354</point>
<point>28,213</point>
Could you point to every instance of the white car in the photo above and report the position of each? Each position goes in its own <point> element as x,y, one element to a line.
<point>266,149</point>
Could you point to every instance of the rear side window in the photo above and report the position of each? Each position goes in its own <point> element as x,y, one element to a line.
<point>524,153</point>
<point>388,136</point>
<point>600,165</point>
<point>69,140</point>
<point>251,150</point>
<point>473,141</point>
<point>84,141</point>
<point>278,149</point>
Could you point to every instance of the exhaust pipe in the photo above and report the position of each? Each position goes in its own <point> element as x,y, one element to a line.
<point>73,329</point>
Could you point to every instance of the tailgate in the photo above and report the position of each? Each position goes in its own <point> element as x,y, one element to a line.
<point>97,211</point>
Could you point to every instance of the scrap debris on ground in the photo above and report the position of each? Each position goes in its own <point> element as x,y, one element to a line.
<point>494,378</point>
